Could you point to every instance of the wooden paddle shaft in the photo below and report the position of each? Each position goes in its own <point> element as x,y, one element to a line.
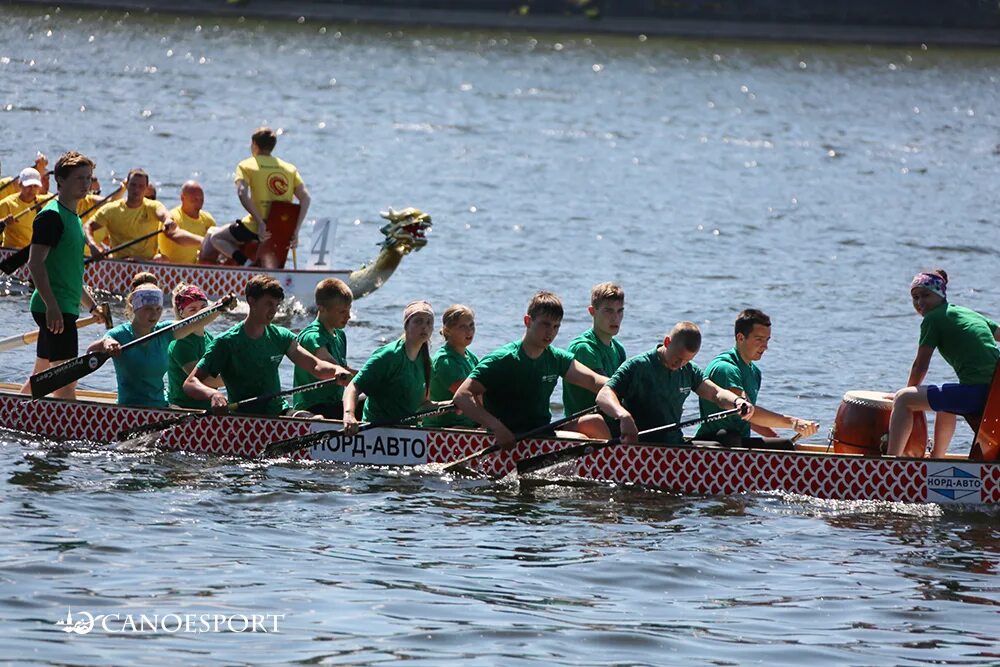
<point>31,336</point>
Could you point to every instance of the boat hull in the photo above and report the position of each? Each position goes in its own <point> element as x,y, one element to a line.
<point>113,276</point>
<point>681,469</point>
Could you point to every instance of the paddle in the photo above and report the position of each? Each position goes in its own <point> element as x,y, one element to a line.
<point>49,380</point>
<point>263,398</point>
<point>121,246</point>
<point>517,438</point>
<point>20,258</point>
<point>31,336</point>
<point>291,445</point>
<point>535,463</point>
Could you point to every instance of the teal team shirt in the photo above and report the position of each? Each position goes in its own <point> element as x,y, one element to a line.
<point>965,339</point>
<point>654,394</point>
<point>590,351</point>
<point>519,388</point>
<point>395,385</point>
<point>315,337</point>
<point>249,366</point>
<point>180,353</point>
<point>729,371</point>
<point>447,368</point>
<point>140,369</point>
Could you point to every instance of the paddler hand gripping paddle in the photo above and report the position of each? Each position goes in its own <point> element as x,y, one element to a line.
<point>49,380</point>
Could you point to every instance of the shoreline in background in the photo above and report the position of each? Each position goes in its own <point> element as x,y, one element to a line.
<point>477,19</point>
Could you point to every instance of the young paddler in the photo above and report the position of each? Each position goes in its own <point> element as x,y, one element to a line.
<point>184,352</point>
<point>597,348</point>
<point>649,390</point>
<point>140,370</point>
<point>967,341</point>
<point>247,356</point>
<point>509,390</point>
<point>396,378</point>
<point>736,371</point>
<point>452,363</point>
<point>55,262</point>
<point>325,338</point>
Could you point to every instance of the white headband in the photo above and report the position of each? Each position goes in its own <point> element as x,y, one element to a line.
<point>146,297</point>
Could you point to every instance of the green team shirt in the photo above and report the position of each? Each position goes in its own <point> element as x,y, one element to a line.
<point>965,339</point>
<point>590,351</point>
<point>447,368</point>
<point>249,366</point>
<point>519,388</point>
<point>314,337</point>
<point>180,353</point>
<point>395,384</point>
<point>139,369</point>
<point>60,229</point>
<point>654,394</point>
<point>729,371</point>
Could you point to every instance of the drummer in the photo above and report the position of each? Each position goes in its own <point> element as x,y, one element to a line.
<point>968,342</point>
<point>736,371</point>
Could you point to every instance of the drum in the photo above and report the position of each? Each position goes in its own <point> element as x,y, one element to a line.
<point>862,426</point>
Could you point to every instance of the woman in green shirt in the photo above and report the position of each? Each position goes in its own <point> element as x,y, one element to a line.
<point>184,353</point>
<point>453,362</point>
<point>396,378</point>
<point>967,341</point>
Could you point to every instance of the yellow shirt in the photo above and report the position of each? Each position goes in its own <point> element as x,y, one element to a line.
<point>185,254</point>
<point>124,224</point>
<point>270,180</point>
<point>18,233</point>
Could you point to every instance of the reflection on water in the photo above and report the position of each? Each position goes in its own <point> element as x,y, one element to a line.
<point>810,181</point>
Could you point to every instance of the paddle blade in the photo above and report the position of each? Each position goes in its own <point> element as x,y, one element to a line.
<point>15,261</point>
<point>57,377</point>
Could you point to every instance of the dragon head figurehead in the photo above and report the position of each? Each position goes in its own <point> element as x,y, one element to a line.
<point>406,230</point>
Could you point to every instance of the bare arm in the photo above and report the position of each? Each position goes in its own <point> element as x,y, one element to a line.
<point>243,192</point>
<point>196,387</point>
<point>996,335</point>
<point>89,228</point>
<point>582,376</point>
<point>609,404</point>
<point>174,232</point>
<point>468,399</point>
<point>921,363</point>
<point>322,370</point>
<point>724,398</point>
<point>208,380</point>
<point>302,194</point>
<point>40,276</point>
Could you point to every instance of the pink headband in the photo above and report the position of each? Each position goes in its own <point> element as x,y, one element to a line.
<point>187,296</point>
<point>931,281</point>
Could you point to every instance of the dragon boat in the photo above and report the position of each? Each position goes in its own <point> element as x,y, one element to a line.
<point>809,470</point>
<point>404,233</point>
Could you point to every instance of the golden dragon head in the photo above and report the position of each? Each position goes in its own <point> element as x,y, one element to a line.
<point>406,230</point>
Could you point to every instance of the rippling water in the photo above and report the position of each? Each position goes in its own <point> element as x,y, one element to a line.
<point>810,181</point>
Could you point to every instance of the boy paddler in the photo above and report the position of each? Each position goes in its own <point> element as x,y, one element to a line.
<point>56,265</point>
<point>247,356</point>
<point>509,390</point>
<point>597,348</point>
<point>649,390</point>
<point>325,338</point>
<point>736,371</point>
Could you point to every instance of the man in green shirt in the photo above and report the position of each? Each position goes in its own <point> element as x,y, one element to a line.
<point>649,390</point>
<point>55,262</point>
<point>735,370</point>
<point>597,348</point>
<point>325,338</point>
<point>247,356</point>
<point>509,390</point>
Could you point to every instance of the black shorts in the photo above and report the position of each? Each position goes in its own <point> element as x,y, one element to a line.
<point>330,409</point>
<point>754,442</point>
<point>57,347</point>
<point>241,233</point>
